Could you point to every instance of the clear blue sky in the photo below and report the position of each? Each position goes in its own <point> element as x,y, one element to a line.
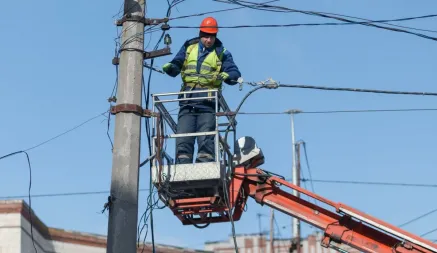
<point>56,72</point>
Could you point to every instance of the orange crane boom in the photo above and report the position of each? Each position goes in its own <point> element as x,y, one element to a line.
<point>205,193</point>
<point>341,225</point>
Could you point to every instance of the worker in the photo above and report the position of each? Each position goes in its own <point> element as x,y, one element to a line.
<point>204,63</point>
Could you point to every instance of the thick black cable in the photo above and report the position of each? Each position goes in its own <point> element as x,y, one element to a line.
<point>30,187</point>
<point>147,122</point>
<point>340,15</point>
<point>274,85</point>
<point>111,99</point>
<point>284,9</point>
<point>148,132</point>
<point>30,167</point>
<point>314,24</point>
<point>228,204</point>
<point>217,11</point>
<point>359,90</point>
<point>401,26</point>
<point>418,218</point>
<point>232,118</point>
<point>274,8</point>
<point>309,170</point>
<point>308,166</point>
<point>370,110</point>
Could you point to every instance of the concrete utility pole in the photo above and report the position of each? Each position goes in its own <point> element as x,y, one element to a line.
<point>295,222</point>
<point>272,235</point>
<point>259,223</point>
<point>297,238</point>
<point>123,205</point>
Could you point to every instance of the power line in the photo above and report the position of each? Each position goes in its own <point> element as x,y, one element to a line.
<point>30,167</point>
<point>150,206</point>
<point>275,8</point>
<point>272,84</point>
<point>407,27</point>
<point>28,195</point>
<point>335,111</point>
<point>417,93</point>
<point>316,24</point>
<point>429,232</point>
<point>342,111</point>
<point>308,166</point>
<point>64,133</point>
<point>64,194</point>
<point>371,183</point>
<point>217,11</point>
<point>371,110</point>
<point>368,20</point>
<point>418,218</point>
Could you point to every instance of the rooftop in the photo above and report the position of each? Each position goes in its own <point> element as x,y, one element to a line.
<point>61,235</point>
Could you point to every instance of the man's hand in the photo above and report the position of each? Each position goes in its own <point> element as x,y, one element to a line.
<point>167,67</point>
<point>223,76</point>
<point>171,69</point>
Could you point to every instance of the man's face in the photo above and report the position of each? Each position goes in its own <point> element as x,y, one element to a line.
<point>208,40</point>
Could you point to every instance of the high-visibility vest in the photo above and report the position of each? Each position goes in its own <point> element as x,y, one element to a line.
<point>209,70</point>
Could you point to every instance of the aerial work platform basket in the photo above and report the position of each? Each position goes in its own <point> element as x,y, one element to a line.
<point>178,181</point>
<point>200,193</point>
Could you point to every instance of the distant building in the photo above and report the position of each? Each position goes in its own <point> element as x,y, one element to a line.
<point>256,243</point>
<point>15,235</point>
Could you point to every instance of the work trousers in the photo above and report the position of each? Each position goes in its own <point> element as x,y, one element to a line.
<point>194,120</point>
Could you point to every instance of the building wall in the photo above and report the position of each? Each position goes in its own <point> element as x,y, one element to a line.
<point>16,235</point>
<point>10,232</point>
<point>261,244</point>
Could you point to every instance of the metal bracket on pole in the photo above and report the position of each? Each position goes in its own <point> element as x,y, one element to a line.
<point>146,55</point>
<point>134,109</point>
<point>145,21</point>
<point>157,53</point>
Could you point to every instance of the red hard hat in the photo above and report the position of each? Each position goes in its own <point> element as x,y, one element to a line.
<point>209,25</point>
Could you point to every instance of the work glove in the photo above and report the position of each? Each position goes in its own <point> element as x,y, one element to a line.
<point>223,76</point>
<point>167,67</point>
<point>170,69</point>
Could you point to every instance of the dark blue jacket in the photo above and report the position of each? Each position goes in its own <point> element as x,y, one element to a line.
<point>228,66</point>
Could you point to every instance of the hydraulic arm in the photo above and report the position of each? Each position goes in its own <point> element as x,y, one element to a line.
<point>341,225</point>
<point>206,193</point>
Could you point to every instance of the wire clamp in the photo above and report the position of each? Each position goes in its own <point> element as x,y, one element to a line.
<point>133,108</point>
<point>270,84</point>
<point>107,205</point>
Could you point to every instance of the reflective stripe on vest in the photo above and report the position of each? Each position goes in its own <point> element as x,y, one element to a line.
<point>209,70</point>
